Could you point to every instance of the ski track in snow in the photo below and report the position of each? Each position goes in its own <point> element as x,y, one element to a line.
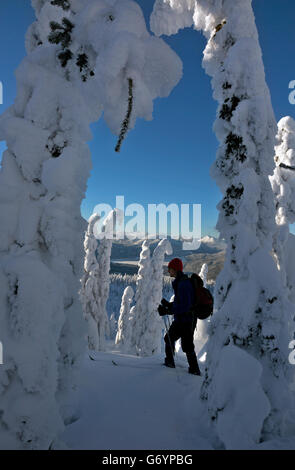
<point>137,404</point>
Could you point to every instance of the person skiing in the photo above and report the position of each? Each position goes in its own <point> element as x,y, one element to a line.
<point>184,322</point>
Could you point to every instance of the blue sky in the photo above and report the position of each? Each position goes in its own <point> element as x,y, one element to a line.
<point>166,160</point>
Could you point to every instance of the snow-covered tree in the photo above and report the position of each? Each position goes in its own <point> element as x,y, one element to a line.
<point>124,323</point>
<point>42,183</point>
<point>113,220</point>
<point>283,185</point>
<point>201,332</point>
<point>89,285</point>
<point>82,57</point>
<point>139,310</point>
<point>150,341</point>
<point>290,273</point>
<point>203,273</point>
<point>96,279</point>
<point>252,304</point>
<point>147,325</point>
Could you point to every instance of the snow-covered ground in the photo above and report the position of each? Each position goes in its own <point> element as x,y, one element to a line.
<point>130,403</point>
<point>138,404</point>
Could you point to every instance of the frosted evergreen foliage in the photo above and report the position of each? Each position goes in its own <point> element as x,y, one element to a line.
<point>139,310</point>
<point>80,55</point>
<point>125,322</point>
<point>204,273</point>
<point>113,327</point>
<point>149,338</point>
<point>283,185</point>
<point>147,325</point>
<point>250,296</point>
<point>90,286</point>
<point>96,280</point>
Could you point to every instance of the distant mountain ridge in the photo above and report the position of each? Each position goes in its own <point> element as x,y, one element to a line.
<point>126,253</point>
<point>129,250</point>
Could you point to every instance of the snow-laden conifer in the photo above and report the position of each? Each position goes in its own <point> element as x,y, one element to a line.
<point>111,223</point>
<point>283,185</point>
<point>80,57</point>
<point>124,323</point>
<point>204,273</point>
<point>89,285</point>
<point>252,307</point>
<point>147,325</point>
<point>201,331</point>
<point>113,326</point>
<point>96,280</point>
<point>139,310</point>
<point>40,242</point>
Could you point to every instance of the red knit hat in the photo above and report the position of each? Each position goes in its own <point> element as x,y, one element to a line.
<point>176,264</point>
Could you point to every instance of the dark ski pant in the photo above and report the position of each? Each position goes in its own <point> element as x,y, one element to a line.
<point>185,331</point>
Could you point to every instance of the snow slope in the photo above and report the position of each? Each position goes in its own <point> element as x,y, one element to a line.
<point>138,404</point>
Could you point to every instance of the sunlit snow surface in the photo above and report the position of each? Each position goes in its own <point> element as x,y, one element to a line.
<point>130,402</point>
<point>138,404</point>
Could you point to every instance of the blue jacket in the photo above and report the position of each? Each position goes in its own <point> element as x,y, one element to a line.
<point>184,298</point>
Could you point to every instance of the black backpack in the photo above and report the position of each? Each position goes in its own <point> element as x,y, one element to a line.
<point>203,305</point>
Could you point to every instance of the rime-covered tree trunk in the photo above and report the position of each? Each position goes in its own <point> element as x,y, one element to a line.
<point>89,284</point>
<point>253,310</point>
<point>42,186</point>
<point>150,341</point>
<point>251,325</point>
<point>70,75</point>
<point>96,279</point>
<point>204,273</point>
<point>147,325</point>
<point>113,220</point>
<point>283,185</point>
<point>124,323</point>
<point>139,310</point>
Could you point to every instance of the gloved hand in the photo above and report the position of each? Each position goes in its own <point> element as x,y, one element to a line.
<point>166,304</point>
<point>162,310</point>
